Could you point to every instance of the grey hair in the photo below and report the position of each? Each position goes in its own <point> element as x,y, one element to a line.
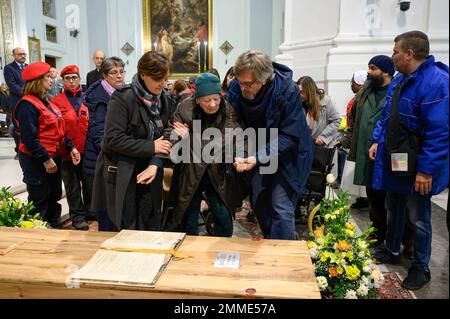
<point>111,63</point>
<point>256,61</point>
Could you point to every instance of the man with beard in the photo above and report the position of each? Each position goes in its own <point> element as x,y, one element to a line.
<point>364,115</point>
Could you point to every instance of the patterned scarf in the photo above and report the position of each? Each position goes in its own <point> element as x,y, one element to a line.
<point>153,107</point>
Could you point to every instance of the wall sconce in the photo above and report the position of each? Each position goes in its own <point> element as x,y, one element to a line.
<point>404,5</point>
<point>74,33</point>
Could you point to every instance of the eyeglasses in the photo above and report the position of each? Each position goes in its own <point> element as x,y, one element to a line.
<point>115,73</point>
<point>246,85</point>
<point>71,78</point>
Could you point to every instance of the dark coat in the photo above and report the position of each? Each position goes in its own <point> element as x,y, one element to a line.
<point>126,143</point>
<point>92,77</point>
<point>96,99</point>
<point>13,78</point>
<point>228,184</point>
<point>284,112</point>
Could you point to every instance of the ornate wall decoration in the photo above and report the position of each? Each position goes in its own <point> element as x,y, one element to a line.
<point>7,30</point>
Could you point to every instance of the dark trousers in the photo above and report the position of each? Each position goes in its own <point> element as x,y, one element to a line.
<point>223,223</point>
<point>88,186</point>
<point>378,217</point>
<point>342,156</point>
<point>44,190</point>
<point>75,191</point>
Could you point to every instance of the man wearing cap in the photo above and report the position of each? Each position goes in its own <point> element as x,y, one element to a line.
<point>13,79</point>
<point>265,97</point>
<point>42,142</point>
<point>411,150</point>
<point>364,114</point>
<point>218,180</point>
<point>76,118</point>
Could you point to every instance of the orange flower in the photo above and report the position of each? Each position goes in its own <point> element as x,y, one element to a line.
<point>343,246</point>
<point>333,272</point>
<point>319,231</point>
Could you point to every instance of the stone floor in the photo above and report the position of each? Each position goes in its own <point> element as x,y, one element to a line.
<point>11,175</point>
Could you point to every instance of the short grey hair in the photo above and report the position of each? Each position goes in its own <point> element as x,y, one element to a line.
<point>111,63</point>
<point>256,61</point>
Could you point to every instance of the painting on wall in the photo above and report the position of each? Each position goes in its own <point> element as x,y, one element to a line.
<point>182,30</point>
<point>34,47</point>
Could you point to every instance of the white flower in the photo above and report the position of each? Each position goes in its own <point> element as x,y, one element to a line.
<point>378,278</point>
<point>367,269</point>
<point>322,283</point>
<point>314,253</point>
<point>351,294</point>
<point>361,254</point>
<point>343,263</point>
<point>365,280</point>
<point>330,178</point>
<point>369,263</point>
<point>362,290</point>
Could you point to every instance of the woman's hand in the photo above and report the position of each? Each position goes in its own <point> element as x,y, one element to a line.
<point>76,157</point>
<point>373,151</point>
<point>147,176</point>
<point>162,146</point>
<point>319,141</point>
<point>50,167</point>
<point>181,129</point>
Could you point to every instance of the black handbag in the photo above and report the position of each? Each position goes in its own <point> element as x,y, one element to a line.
<point>402,145</point>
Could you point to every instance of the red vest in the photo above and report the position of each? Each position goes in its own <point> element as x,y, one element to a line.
<point>50,130</point>
<point>76,124</point>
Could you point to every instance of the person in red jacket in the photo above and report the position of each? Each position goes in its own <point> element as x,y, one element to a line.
<point>76,118</point>
<point>42,142</point>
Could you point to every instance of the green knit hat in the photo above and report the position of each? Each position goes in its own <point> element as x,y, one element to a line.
<point>207,84</point>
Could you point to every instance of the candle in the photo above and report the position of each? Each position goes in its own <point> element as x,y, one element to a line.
<point>156,45</point>
<point>206,54</point>
<point>199,58</point>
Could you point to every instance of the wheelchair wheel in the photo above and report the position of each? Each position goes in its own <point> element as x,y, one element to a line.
<point>209,223</point>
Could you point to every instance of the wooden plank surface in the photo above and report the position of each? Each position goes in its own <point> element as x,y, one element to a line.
<point>37,263</point>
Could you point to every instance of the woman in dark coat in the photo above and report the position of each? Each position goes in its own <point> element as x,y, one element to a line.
<point>96,99</point>
<point>128,176</point>
<point>217,179</point>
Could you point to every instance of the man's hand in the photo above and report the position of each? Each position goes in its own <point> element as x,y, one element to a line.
<point>373,151</point>
<point>147,176</point>
<point>244,164</point>
<point>76,157</point>
<point>162,146</point>
<point>50,166</point>
<point>338,144</point>
<point>423,183</point>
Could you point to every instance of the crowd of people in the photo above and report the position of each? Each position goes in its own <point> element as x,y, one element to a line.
<point>110,142</point>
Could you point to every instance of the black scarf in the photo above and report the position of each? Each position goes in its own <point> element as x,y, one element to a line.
<point>254,111</point>
<point>153,107</point>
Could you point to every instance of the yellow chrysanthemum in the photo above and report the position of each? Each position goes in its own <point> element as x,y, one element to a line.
<point>352,272</point>
<point>349,233</point>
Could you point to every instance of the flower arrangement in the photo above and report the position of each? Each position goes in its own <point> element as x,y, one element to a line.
<point>15,212</point>
<point>342,261</point>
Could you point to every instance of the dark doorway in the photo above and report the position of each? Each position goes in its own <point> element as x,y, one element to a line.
<point>50,60</point>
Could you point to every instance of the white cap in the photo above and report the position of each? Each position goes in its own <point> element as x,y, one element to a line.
<point>360,77</point>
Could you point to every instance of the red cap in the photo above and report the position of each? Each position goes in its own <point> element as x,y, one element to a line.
<point>35,71</point>
<point>70,69</point>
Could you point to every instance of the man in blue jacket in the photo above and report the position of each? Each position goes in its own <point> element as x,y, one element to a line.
<point>265,97</point>
<point>419,97</point>
<point>13,78</point>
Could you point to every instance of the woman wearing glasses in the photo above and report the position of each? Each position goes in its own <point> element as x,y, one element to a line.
<point>97,99</point>
<point>42,143</point>
<point>128,178</point>
<point>76,118</point>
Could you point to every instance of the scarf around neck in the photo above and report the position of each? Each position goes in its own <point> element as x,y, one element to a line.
<point>254,111</point>
<point>152,104</point>
<point>108,87</point>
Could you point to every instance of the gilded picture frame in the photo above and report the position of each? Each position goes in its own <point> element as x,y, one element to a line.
<point>182,29</point>
<point>34,49</point>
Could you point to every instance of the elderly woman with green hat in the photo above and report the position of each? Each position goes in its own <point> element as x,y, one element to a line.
<point>215,179</point>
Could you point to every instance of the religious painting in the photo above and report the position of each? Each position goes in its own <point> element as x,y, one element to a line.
<point>181,29</point>
<point>34,47</point>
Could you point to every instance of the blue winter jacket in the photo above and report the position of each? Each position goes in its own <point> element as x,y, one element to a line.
<point>96,99</point>
<point>423,107</point>
<point>284,112</point>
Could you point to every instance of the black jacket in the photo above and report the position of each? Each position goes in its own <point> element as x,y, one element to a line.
<point>126,143</point>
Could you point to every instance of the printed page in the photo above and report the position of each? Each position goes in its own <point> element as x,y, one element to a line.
<point>123,268</point>
<point>133,239</point>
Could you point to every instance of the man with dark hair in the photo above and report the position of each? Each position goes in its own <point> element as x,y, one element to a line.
<point>410,149</point>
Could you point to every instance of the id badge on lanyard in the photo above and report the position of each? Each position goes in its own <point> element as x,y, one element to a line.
<point>399,162</point>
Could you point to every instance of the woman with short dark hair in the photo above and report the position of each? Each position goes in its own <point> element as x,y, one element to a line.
<point>128,178</point>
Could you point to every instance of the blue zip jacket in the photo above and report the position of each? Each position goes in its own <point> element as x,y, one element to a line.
<point>423,107</point>
<point>96,99</point>
<point>284,112</point>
